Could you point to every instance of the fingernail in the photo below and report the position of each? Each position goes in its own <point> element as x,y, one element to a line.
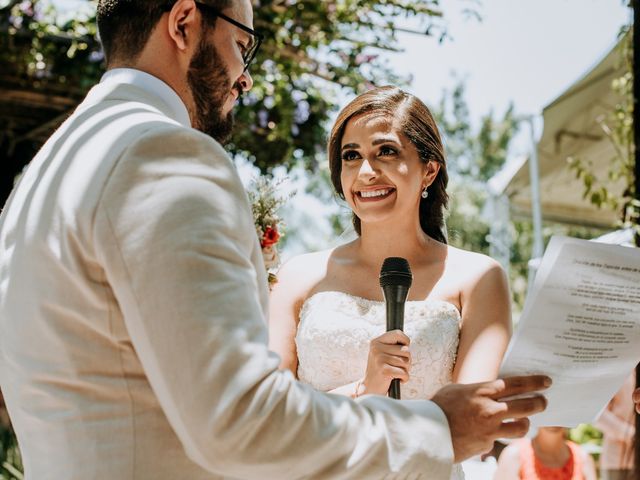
<point>547,381</point>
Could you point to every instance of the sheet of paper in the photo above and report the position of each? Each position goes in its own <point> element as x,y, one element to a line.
<point>581,326</point>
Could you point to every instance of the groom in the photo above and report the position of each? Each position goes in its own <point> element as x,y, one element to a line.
<point>133,297</point>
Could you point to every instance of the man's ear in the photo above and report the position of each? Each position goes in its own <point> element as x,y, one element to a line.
<point>183,23</point>
<point>431,170</point>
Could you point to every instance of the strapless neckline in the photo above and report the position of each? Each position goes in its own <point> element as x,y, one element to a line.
<point>363,300</point>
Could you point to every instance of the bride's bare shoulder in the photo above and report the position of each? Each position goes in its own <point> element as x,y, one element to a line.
<point>307,262</point>
<point>302,272</point>
<point>305,273</point>
<point>476,265</point>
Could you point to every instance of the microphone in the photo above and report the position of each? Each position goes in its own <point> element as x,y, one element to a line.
<point>395,280</point>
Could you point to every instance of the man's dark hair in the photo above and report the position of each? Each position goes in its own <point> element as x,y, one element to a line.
<point>125,25</point>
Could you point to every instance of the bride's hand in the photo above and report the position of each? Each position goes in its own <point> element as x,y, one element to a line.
<point>389,358</point>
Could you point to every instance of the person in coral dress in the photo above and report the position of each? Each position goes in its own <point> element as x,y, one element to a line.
<point>547,456</point>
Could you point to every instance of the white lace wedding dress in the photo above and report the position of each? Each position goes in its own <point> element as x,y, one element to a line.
<point>333,343</point>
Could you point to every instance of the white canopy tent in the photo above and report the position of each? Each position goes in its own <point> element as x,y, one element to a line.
<point>572,128</point>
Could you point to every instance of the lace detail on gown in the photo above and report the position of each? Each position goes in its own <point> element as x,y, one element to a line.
<point>333,342</point>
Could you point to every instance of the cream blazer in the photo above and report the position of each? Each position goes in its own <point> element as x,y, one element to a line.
<point>132,321</point>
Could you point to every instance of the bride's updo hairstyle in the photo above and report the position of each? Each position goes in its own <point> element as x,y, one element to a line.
<point>418,125</point>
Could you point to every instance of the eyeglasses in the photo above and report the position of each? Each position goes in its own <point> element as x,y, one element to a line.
<point>250,53</point>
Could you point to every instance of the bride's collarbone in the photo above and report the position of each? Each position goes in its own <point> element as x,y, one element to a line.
<point>359,278</point>
<point>369,290</point>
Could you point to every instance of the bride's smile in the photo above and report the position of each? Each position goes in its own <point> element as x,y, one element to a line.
<point>374,194</point>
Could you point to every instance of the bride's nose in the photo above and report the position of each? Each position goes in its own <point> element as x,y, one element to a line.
<point>366,170</point>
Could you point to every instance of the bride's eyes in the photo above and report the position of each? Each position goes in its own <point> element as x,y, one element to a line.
<point>387,151</point>
<point>350,155</point>
<point>383,151</point>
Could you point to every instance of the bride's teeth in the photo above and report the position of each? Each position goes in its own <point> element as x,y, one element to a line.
<point>374,193</point>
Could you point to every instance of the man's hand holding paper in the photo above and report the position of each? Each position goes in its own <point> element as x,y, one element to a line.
<point>580,326</point>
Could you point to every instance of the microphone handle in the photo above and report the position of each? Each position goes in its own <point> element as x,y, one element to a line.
<point>395,315</point>
<point>395,321</point>
<point>394,389</point>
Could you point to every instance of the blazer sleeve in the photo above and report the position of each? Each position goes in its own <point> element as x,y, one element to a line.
<point>174,233</point>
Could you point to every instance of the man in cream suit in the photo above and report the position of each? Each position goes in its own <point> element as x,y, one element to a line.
<point>133,295</point>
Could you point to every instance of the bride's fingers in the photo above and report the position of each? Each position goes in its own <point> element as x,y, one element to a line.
<point>401,351</point>
<point>395,360</point>
<point>395,368</point>
<point>390,371</point>
<point>394,337</point>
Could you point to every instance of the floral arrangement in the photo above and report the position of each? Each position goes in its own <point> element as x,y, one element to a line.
<point>265,203</point>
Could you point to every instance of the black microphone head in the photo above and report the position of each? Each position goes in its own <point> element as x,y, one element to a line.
<point>395,271</point>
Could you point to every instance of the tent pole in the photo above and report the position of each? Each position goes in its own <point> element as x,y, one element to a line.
<point>536,207</point>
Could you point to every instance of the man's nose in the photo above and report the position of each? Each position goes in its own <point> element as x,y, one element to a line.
<point>245,81</point>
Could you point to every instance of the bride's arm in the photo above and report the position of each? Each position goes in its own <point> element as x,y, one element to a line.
<point>285,302</point>
<point>486,322</point>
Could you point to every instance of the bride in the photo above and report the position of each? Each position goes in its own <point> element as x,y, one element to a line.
<point>327,317</point>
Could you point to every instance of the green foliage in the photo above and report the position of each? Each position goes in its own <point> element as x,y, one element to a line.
<point>452,117</point>
<point>618,128</point>
<point>312,50</point>
<point>521,247</point>
<point>465,226</point>
<point>493,143</point>
<point>10,460</point>
<point>320,186</point>
<point>473,156</point>
<point>265,204</point>
<point>586,434</point>
<point>43,48</point>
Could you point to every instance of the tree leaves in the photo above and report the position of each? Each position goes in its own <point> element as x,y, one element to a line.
<point>313,51</point>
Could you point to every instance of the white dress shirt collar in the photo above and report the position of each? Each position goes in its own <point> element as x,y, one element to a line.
<point>152,85</point>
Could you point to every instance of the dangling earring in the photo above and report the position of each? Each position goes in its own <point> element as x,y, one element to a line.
<point>425,192</point>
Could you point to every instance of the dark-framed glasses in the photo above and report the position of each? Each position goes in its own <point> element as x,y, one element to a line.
<point>256,39</point>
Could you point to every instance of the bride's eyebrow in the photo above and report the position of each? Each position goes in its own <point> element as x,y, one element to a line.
<point>378,141</point>
<point>350,145</point>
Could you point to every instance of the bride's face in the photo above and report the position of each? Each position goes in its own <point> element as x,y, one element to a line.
<point>382,175</point>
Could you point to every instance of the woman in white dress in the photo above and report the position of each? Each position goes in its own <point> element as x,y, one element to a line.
<point>327,318</point>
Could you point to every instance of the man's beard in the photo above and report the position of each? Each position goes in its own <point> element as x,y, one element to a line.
<point>210,85</point>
